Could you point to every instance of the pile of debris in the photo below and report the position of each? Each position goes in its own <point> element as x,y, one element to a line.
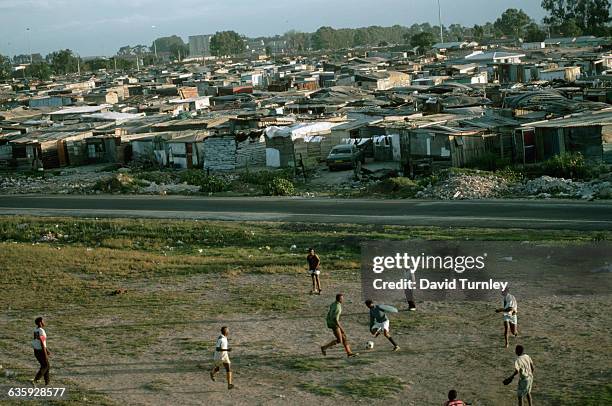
<point>464,186</point>
<point>49,184</point>
<point>170,189</point>
<point>548,187</point>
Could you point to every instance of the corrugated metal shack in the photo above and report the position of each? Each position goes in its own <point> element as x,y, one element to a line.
<point>50,148</point>
<point>588,134</point>
<point>187,151</point>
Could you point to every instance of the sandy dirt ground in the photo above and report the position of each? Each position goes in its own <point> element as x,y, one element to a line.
<point>276,354</point>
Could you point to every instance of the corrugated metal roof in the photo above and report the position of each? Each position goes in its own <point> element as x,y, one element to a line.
<point>597,118</point>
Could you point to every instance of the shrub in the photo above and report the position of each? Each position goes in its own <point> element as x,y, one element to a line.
<point>570,166</point>
<point>279,187</point>
<point>212,184</point>
<point>511,175</point>
<point>429,180</point>
<point>263,178</point>
<point>195,177</point>
<point>120,183</point>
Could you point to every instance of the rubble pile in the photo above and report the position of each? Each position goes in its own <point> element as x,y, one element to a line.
<point>548,187</point>
<point>462,186</point>
<point>50,184</point>
<point>174,188</point>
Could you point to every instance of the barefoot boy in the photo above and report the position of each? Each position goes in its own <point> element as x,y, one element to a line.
<point>222,357</point>
<point>510,314</point>
<point>314,267</point>
<point>333,323</point>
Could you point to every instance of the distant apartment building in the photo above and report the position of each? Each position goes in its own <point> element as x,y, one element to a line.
<point>199,46</point>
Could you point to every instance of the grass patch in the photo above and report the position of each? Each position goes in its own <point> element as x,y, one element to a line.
<point>317,389</point>
<point>262,299</point>
<point>158,385</point>
<point>307,364</point>
<point>378,387</point>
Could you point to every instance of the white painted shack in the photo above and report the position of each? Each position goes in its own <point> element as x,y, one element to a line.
<point>306,141</point>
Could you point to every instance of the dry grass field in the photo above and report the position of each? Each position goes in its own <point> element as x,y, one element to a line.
<point>133,308</point>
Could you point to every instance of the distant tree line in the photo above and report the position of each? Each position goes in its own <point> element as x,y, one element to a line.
<point>60,62</point>
<point>564,18</point>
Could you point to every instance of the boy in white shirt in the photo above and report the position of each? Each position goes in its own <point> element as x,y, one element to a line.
<point>510,314</point>
<point>523,367</point>
<point>39,343</point>
<point>221,357</point>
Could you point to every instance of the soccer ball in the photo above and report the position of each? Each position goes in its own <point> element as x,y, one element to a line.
<point>369,345</point>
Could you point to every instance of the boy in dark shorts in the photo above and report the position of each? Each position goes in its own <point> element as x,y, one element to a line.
<point>333,323</point>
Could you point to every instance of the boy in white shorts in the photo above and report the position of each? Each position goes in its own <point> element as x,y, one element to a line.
<point>221,357</point>
<point>510,314</point>
<point>314,268</point>
<point>380,322</point>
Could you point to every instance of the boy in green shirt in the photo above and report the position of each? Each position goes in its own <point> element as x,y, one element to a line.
<point>333,323</point>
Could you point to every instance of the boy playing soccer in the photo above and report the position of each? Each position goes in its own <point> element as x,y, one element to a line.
<point>221,357</point>
<point>314,268</point>
<point>333,323</point>
<point>523,367</point>
<point>510,318</point>
<point>380,322</point>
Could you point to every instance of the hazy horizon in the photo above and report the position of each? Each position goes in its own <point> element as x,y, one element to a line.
<point>102,28</point>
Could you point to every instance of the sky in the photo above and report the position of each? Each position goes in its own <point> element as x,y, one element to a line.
<point>101,27</point>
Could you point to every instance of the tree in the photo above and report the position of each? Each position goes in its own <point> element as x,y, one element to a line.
<point>5,67</point>
<point>167,44</point>
<point>39,70</point>
<point>478,32</point>
<point>422,40</point>
<point>297,41</point>
<point>125,51</point>
<point>533,33</point>
<point>227,43</point>
<point>63,62</point>
<point>569,28</point>
<point>179,51</point>
<point>325,38</point>
<point>591,16</point>
<point>512,22</point>
<point>456,32</point>
<point>361,38</point>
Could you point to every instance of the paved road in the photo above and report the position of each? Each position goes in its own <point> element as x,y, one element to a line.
<point>491,213</point>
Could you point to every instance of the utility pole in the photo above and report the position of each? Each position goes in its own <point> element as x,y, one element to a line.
<point>440,22</point>
<point>155,45</point>
<point>29,43</point>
